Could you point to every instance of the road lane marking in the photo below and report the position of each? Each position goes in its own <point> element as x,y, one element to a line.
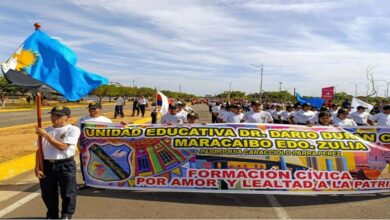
<point>19,203</point>
<point>278,209</point>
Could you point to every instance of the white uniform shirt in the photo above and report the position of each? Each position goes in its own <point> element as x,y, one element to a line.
<point>382,119</point>
<point>173,119</point>
<point>183,112</point>
<point>275,114</point>
<point>345,122</point>
<point>215,109</point>
<point>221,113</point>
<point>285,115</point>
<point>120,101</point>
<point>142,101</point>
<point>302,117</point>
<point>259,117</point>
<point>226,115</point>
<point>334,114</point>
<point>233,118</point>
<point>359,118</point>
<point>90,119</point>
<point>68,134</point>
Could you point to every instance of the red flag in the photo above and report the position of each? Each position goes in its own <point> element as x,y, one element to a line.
<point>327,93</point>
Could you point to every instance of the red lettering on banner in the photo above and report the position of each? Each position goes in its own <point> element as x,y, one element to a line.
<point>357,184</point>
<point>268,184</point>
<point>346,176</point>
<point>322,175</point>
<point>205,183</point>
<point>191,173</point>
<point>366,185</point>
<point>322,185</point>
<point>150,181</point>
<point>215,174</point>
<point>231,183</point>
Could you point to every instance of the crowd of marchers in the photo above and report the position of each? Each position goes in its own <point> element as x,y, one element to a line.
<point>299,114</point>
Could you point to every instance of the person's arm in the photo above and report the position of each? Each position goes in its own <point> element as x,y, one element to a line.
<point>291,119</point>
<point>270,119</point>
<point>57,144</point>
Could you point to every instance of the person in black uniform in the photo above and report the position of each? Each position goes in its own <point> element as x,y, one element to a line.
<point>59,168</point>
<point>135,107</point>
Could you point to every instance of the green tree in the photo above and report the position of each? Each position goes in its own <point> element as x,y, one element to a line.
<point>339,97</point>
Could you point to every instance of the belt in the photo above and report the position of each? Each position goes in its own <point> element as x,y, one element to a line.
<point>60,160</point>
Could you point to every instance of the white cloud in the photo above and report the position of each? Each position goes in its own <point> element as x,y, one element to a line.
<point>203,45</point>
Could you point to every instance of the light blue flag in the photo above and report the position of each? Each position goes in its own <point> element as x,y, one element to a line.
<point>49,61</point>
<point>316,102</point>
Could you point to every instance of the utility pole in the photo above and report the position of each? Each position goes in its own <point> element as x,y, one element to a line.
<point>179,90</point>
<point>295,98</point>
<point>230,89</point>
<point>280,86</point>
<point>261,80</point>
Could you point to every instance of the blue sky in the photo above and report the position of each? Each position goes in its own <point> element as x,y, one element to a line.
<point>203,45</point>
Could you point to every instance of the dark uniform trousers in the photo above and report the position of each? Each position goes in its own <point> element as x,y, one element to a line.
<point>62,174</point>
<point>154,117</point>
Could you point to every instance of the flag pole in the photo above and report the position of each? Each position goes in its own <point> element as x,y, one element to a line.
<point>39,120</point>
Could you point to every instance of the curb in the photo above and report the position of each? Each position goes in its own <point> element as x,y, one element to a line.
<point>48,107</point>
<point>17,166</point>
<point>26,163</point>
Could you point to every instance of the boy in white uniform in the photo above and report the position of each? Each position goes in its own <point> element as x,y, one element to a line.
<point>59,168</point>
<point>342,120</point>
<point>304,116</point>
<point>172,117</point>
<point>237,115</point>
<point>360,116</point>
<point>383,118</point>
<point>257,115</point>
<point>94,109</point>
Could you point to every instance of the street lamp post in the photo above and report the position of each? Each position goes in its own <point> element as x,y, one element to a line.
<point>356,87</point>
<point>261,80</point>
<point>179,91</point>
<point>230,89</point>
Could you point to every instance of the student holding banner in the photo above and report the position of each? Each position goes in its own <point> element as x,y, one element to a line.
<point>360,116</point>
<point>257,115</point>
<point>324,118</point>
<point>192,118</point>
<point>304,116</point>
<point>342,120</point>
<point>94,116</point>
<point>172,117</point>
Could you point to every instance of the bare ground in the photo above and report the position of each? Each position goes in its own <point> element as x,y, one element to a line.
<point>21,140</point>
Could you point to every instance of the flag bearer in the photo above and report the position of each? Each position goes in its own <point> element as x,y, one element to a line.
<point>59,167</point>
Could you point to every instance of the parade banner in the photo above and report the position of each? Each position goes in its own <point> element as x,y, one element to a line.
<point>237,158</point>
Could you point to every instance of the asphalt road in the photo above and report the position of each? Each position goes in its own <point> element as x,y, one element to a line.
<point>29,116</point>
<point>19,199</point>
